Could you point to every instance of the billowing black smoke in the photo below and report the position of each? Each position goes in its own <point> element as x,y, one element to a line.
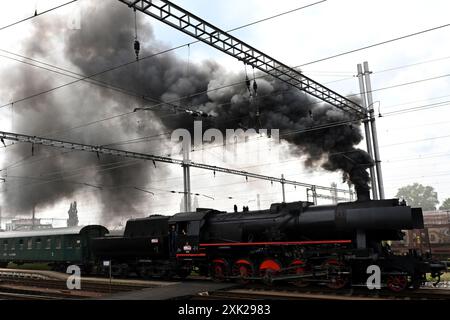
<point>106,40</point>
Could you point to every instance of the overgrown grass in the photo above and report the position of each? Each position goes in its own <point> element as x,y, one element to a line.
<point>444,277</point>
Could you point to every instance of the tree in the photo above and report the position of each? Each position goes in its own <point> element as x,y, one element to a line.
<point>417,195</point>
<point>445,205</point>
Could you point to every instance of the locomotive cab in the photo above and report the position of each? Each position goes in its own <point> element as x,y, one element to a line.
<point>185,234</point>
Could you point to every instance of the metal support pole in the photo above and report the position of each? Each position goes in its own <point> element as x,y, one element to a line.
<point>186,179</point>
<point>314,195</point>
<point>374,130</point>
<point>188,185</point>
<point>282,187</point>
<point>373,179</point>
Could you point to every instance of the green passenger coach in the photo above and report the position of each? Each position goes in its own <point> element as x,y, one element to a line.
<point>58,247</point>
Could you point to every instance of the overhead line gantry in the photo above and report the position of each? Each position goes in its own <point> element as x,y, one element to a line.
<point>148,157</point>
<point>194,26</point>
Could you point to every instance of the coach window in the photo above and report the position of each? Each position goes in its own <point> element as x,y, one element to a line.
<point>13,244</point>
<point>5,245</point>
<point>21,244</point>
<point>69,244</point>
<point>58,243</point>
<point>48,244</point>
<point>30,244</point>
<point>78,244</point>
<point>38,243</point>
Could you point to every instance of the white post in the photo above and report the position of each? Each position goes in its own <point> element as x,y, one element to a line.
<point>258,201</point>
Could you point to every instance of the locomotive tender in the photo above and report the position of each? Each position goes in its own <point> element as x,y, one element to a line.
<point>296,242</point>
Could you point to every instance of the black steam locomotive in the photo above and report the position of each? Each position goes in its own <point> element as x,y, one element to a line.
<point>296,242</point>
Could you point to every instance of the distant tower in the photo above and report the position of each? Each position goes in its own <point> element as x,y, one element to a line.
<point>33,218</point>
<point>334,193</point>
<point>73,215</point>
<point>182,205</point>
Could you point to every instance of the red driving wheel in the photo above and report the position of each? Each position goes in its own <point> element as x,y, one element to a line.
<point>397,283</point>
<point>243,269</point>
<point>337,280</point>
<point>218,271</point>
<point>298,267</point>
<point>268,269</point>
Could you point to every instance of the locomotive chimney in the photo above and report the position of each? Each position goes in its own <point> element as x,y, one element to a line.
<point>362,193</point>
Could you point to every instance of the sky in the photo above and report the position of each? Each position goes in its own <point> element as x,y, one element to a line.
<point>414,146</point>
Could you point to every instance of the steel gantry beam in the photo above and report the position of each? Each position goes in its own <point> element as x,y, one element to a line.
<point>203,31</point>
<point>142,156</point>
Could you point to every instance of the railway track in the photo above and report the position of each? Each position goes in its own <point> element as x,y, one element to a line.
<point>288,293</point>
<point>103,287</point>
<point>49,289</point>
<point>23,296</point>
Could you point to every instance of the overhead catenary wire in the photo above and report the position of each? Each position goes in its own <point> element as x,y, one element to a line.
<point>282,135</point>
<point>308,129</point>
<point>190,43</point>
<point>128,113</point>
<point>37,14</point>
<point>156,54</point>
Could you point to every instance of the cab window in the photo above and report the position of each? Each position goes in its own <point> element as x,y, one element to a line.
<point>182,228</point>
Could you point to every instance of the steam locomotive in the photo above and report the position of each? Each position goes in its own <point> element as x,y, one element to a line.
<point>297,242</point>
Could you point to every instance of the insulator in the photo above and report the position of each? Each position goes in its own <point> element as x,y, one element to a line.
<point>255,87</point>
<point>248,83</point>
<point>137,48</point>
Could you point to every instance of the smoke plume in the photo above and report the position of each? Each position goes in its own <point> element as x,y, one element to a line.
<point>105,40</point>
